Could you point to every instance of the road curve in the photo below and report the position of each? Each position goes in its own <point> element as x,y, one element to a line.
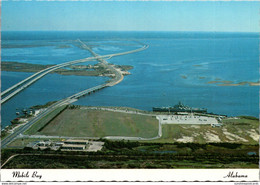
<point>44,72</point>
<point>67,100</point>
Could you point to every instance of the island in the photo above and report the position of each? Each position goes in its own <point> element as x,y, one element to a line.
<point>78,70</point>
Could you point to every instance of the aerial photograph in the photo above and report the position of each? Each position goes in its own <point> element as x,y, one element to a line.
<point>129,85</point>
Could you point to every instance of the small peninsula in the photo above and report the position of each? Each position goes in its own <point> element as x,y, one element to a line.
<point>78,70</point>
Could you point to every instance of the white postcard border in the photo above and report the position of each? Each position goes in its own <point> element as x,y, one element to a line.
<point>130,175</point>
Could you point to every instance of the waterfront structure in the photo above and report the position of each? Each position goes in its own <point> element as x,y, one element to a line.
<point>179,108</point>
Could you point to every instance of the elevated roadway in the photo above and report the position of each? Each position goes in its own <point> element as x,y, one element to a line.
<point>74,97</point>
<point>51,108</point>
<point>21,129</point>
<point>15,89</point>
<point>30,80</point>
<point>118,75</point>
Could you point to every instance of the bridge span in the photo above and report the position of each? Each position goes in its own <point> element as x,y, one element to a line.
<point>118,75</point>
<point>15,89</point>
<point>72,98</point>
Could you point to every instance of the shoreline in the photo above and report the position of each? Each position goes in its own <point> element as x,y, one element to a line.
<point>227,124</point>
<point>77,70</point>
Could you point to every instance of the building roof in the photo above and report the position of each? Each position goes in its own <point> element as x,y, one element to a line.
<point>71,140</point>
<point>59,143</point>
<point>73,146</point>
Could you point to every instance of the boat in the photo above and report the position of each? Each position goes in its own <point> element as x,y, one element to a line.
<point>179,108</point>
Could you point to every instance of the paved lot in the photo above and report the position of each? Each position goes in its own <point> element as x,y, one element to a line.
<point>186,119</point>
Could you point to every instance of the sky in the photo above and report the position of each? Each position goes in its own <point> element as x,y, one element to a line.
<point>211,16</point>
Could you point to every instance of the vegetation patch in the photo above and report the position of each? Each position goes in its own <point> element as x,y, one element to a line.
<point>83,70</point>
<point>22,67</point>
<point>100,123</point>
<point>249,117</point>
<point>127,154</point>
<point>40,124</point>
<point>43,106</point>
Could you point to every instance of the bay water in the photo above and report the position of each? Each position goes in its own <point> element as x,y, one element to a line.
<point>177,66</point>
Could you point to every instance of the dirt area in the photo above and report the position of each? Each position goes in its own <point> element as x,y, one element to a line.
<point>252,133</point>
<point>185,139</point>
<point>95,146</point>
<point>210,137</point>
<point>233,137</point>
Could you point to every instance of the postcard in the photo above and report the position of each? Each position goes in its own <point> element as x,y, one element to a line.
<point>129,91</point>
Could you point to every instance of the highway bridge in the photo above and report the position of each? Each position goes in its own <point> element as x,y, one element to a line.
<point>21,129</point>
<point>84,46</point>
<point>74,97</point>
<point>51,108</point>
<point>30,80</point>
<point>118,75</point>
<point>15,89</point>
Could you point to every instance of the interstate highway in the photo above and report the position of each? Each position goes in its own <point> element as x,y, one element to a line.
<point>25,83</point>
<point>75,97</point>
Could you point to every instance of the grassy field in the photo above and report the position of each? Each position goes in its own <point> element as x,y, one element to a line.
<point>99,123</point>
<point>84,122</point>
<point>44,121</point>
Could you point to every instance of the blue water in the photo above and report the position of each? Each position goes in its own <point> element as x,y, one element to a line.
<point>50,88</point>
<point>157,78</point>
<point>45,53</point>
